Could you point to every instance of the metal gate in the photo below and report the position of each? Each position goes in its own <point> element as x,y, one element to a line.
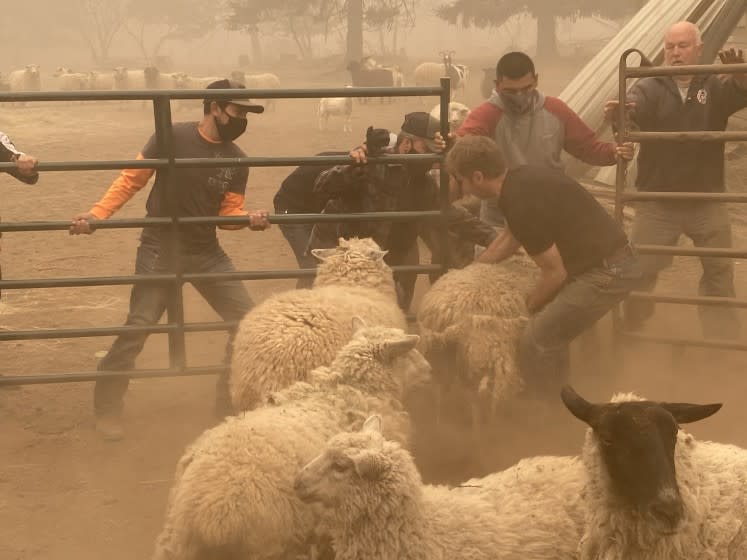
<point>621,197</point>
<point>166,162</point>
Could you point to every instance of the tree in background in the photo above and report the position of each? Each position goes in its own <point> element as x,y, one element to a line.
<point>98,22</point>
<point>153,24</point>
<point>494,13</point>
<point>305,19</point>
<point>389,15</point>
<point>301,20</point>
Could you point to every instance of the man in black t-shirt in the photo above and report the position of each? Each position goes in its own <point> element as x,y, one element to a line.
<point>200,192</point>
<point>586,263</point>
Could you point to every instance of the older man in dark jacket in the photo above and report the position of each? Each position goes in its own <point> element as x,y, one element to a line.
<point>685,103</point>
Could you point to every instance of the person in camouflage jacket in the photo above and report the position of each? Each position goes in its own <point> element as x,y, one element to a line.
<point>391,187</point>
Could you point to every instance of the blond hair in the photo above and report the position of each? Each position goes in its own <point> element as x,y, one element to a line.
<point>476,153</point>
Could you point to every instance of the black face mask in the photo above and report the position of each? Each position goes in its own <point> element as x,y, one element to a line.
<point>230,131</point>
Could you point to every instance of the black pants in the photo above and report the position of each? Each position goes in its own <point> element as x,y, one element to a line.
<point>228,298</point>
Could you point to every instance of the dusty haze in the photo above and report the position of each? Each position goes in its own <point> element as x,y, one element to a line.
<point>65,494</point>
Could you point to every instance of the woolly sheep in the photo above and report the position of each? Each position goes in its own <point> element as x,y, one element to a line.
<point>233,486</point>
<point>339,106</point>
<point>265,80</point>
<point>293,332</point>
<point>458,113</point>
<point>25,79</point>
<point>470,322</point>
<point>652,491</point>
<point>374,505</point>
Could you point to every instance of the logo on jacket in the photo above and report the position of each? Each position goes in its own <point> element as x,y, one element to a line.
<point>702,96</point>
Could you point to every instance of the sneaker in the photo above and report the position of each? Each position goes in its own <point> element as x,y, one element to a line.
<point>109,427</point>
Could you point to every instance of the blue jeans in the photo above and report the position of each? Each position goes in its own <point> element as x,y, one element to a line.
<point>544,346</point>
<point>228,298</point>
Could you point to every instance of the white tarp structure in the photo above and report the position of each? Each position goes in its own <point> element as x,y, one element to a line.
<point>598,80</point>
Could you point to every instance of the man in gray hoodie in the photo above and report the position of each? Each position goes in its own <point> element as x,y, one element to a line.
<point>531,128</point>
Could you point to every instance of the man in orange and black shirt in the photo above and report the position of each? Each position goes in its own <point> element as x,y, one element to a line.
<point>201,192</point>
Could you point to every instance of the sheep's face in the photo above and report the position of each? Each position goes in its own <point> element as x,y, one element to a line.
<point>636,441</point>
<point>354,262</point>
<point>394,349</point>
<point>342,472</point>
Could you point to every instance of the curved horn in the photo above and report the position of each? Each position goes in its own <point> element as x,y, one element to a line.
<point>578,406</point>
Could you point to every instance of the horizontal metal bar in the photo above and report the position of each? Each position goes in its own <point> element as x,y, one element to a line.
<point>671,196</point>
<point>99,224</point>
<point>81,282</point>
<point>700,136</point>
<point>690,300</point>
<point>273,275</point>
<point>143,94</point>
<point>152,278</point>
<point>691,251</point>
<point>699,342</point>
<point>44,334</point>
<point>430,215</point>
<point>76,377</point>
<point>222,162</point>
<point>94,165</point>
<point>648,71</point>
<point>298,161</point>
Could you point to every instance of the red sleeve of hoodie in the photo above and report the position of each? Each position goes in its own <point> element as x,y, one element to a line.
<point>481,121</point>
<point>580,141</point>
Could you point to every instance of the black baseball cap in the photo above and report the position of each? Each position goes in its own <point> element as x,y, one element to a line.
<point>422,125</point>
<point>232,84</point>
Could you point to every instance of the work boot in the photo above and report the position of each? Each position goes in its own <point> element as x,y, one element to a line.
<point>109,426</point>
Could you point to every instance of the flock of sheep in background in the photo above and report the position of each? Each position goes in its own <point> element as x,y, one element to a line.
<point>364,73</point>
<point>304,469</point>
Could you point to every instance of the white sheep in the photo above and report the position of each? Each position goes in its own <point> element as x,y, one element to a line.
<point>126,79</point>
<point>25,79</point>
<point>233,489</point>
<point>282,339</point>
<point>339,106</point>
<point>100,80</point>
<point>68,80</point>
<point>429,73</point>
<point>266,80</point>
<point>470,322</point>
<point>458,113</point>
<point>652,491</point>
<point>374,505</point>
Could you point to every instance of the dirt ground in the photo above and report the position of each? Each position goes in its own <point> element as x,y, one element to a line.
<point>64,494</point>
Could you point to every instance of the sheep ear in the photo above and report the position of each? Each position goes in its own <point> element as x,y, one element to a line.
<point>684,412</point>
<point>358,324</point>
<point>355,420</point>
<point>323,254</point>
<point>394,349</point>
<point>378,255</point>
<point>578,406</point>
<point>369,466</point>
<point>372,424</point>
